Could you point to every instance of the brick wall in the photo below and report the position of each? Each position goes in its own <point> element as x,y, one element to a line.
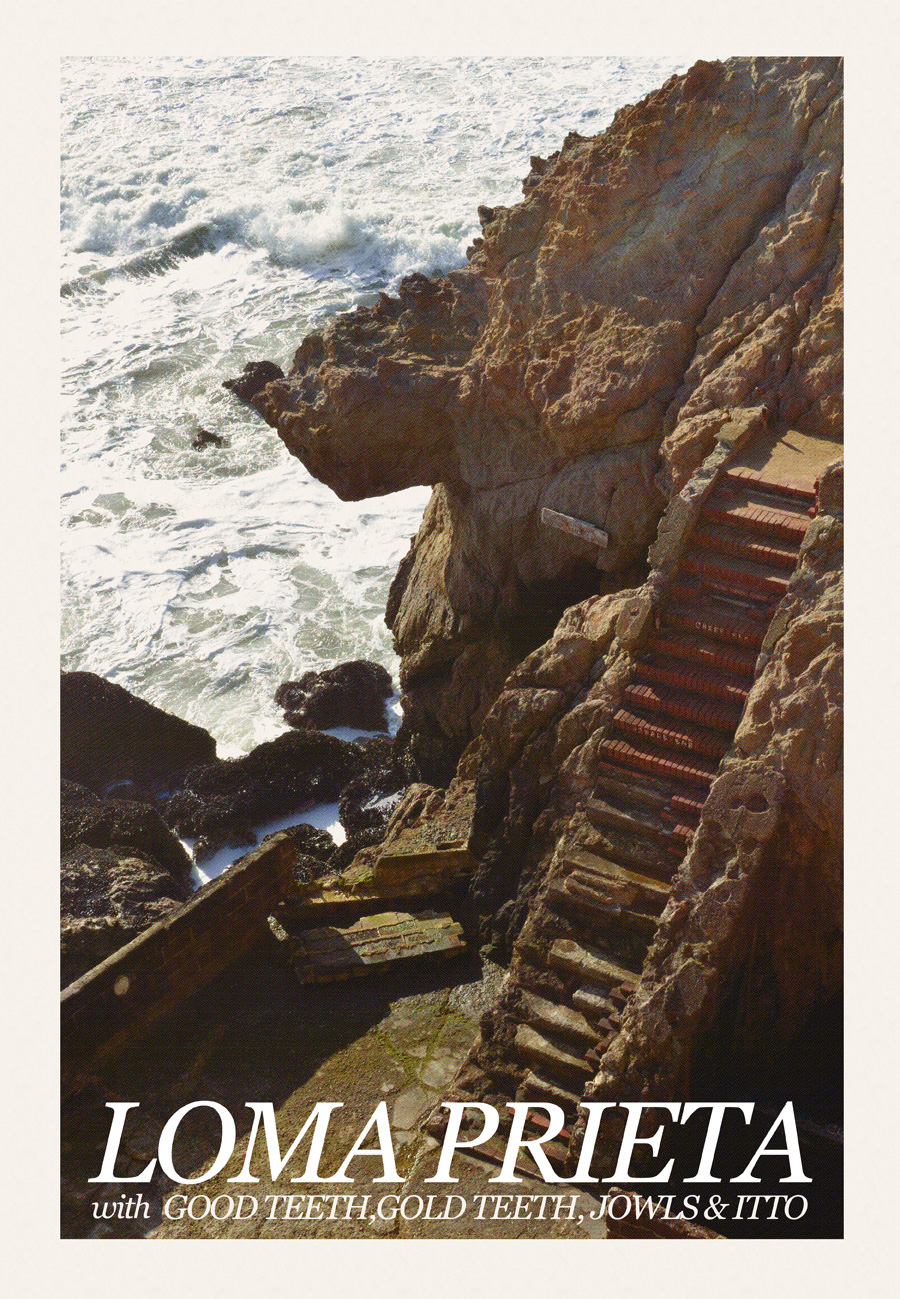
<point>124,994</point>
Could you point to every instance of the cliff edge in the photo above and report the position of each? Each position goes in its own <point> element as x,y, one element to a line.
<point>683,265</point>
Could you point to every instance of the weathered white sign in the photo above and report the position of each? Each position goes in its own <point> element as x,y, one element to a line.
<point>575,527</point>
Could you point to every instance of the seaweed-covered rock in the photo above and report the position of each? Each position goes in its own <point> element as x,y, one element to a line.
<point>127,828</point>
<point>107,898</point>
<point>314,850</point>
<point>351,694</point>
<point>288,774</point>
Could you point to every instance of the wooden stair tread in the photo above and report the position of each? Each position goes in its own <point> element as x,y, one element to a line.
<point>373,944</point>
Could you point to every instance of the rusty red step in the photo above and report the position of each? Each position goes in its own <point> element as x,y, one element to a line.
<point>642,756</point>
<point>676,819</point>
<point>738,575</point>
<point>535,1119</point>
<point>756,518</point>
<point>753,479</point>
<point>712,684</point>
<point>693,739</point>
<point>687,805</point>
<point>684,705</point>
<point>693,648</point>
<point>706,618</point>
<point>745,545</point>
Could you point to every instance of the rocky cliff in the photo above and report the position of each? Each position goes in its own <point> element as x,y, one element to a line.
<point>650,730</point>
<point>679,267</point>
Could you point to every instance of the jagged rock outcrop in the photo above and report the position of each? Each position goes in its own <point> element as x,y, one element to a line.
<point>109,736</point>
<point>682,265</point>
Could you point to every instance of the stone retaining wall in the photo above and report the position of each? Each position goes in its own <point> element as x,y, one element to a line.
<point>124,994</point>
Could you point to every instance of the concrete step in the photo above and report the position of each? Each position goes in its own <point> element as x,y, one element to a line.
<point>647,856</point>
<point>640,756</point>
<point>373,945</point>
<point>638,791</point>
<point>536,1086</point>
<point>638,820</point>
<point>685,705</point>
<point>593,1005</point>
<point>573,898</point>
<point>695,648</point>
<point>652,892</point>
<point>558,1056</point>
<point>682,738</point>
<point>804,493</point>
<point>541,1014</point>
<point>591,965</point>
<point>745,544</point>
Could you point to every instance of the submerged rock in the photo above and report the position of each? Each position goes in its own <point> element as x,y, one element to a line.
<point>206,439</point>
<point>351,694</point>
<point>108,735</point>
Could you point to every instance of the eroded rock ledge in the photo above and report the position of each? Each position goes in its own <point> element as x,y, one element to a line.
<point>680,266</point>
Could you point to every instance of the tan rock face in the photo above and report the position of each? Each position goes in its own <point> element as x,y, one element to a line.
<point>680,266</point>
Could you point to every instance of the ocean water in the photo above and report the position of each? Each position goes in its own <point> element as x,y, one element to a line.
<point>213,212</point>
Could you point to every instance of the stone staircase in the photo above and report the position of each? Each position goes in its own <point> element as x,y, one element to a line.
<point>677,719</point>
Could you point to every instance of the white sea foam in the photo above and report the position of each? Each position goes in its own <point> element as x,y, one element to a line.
<point>325,816</point>
<point>212,213</point>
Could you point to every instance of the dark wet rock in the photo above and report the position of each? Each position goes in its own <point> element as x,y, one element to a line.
<point>314,849</point>
<point>128,829</point>
<point>351,694</point>
<point>107,898</point>
<point>368,801</point>
<point>206,439</point>
<point>209,844</point>
<point>308,840</point>
<point>253,379</point>
<point>109,735</point>
<point>285,775</point>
